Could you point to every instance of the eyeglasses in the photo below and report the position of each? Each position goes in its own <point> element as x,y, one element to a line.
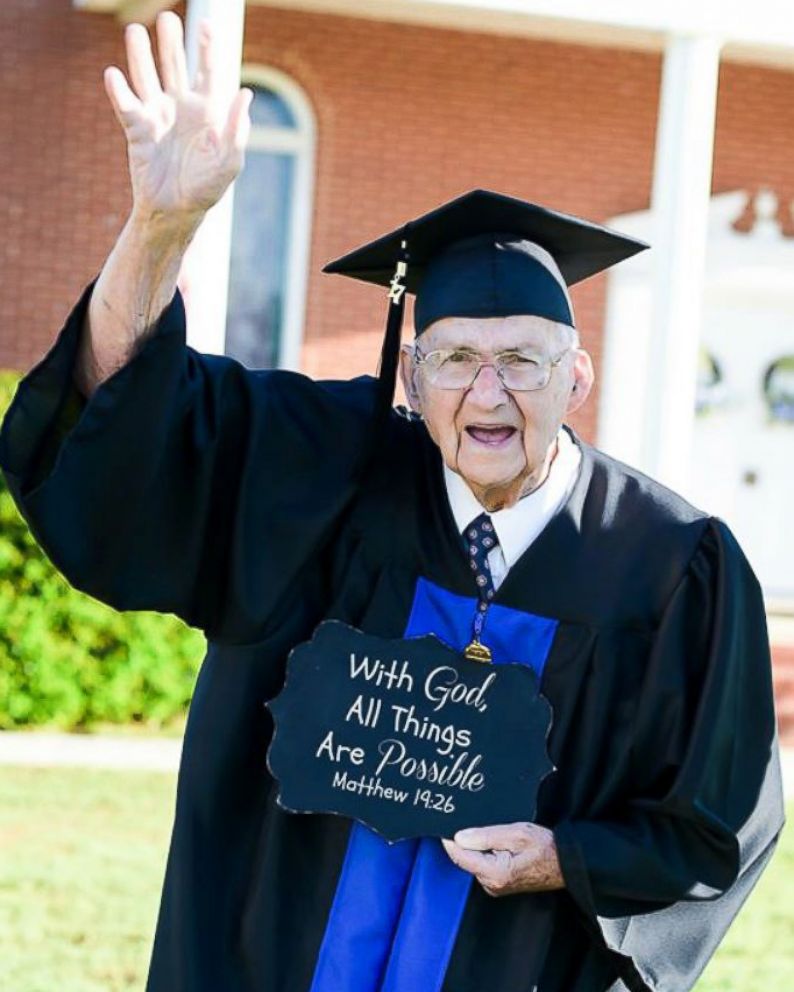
<point>457,368</point>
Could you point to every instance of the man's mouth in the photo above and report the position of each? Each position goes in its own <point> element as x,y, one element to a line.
<point>494,436</point>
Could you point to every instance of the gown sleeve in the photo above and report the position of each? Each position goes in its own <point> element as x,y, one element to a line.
<point>186,483</point>
<point>659,882</point>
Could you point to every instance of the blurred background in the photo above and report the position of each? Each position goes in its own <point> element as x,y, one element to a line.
<point>673,122</point>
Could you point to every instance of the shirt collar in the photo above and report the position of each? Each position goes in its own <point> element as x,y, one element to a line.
<point>519,525</point>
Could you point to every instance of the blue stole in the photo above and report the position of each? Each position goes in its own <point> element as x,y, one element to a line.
<point>398,907</point>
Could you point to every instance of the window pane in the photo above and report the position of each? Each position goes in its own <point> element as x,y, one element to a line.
<point>268,109</point>
<point>262,198</point>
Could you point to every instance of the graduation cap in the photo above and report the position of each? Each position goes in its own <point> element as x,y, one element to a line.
<point>482,254</point>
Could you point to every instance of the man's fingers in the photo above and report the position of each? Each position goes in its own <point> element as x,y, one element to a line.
<point>206,58</point>
<point>492,870</point>
<point>126,105</point>
<point>238,123</point>
<point>171,52</point>
<point>472,861</point>
<point>141,63</point>
<point>502,837</point>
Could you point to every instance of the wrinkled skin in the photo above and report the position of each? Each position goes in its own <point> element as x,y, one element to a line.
<point>500,442</point>
<point>508,858</point>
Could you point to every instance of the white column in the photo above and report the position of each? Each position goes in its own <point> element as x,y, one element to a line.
<point>680,201</point>
<point>205,271</point>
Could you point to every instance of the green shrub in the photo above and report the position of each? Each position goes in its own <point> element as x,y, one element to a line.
<point>69,661</point>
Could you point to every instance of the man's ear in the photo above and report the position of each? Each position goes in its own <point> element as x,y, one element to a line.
<point>583,379</point>
<point>408,378</point>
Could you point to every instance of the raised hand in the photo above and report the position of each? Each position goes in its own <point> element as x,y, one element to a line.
<point>185,145</point>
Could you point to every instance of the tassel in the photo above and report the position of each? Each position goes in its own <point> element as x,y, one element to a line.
<point>390,352</point>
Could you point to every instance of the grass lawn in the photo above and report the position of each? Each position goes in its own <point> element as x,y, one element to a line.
<point>82,854</point>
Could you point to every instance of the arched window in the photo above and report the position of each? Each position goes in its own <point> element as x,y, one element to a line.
<point>271,225</point>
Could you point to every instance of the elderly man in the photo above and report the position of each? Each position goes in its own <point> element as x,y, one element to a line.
<point>255,505</point>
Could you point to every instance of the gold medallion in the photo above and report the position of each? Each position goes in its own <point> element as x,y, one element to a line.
<point>477,652</point>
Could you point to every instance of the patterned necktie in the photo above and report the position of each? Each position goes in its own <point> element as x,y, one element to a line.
<point>481,539</point>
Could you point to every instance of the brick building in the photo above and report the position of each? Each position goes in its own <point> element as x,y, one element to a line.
<point>369,114</point>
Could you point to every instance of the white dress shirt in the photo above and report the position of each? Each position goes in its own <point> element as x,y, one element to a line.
<point>519,525</point>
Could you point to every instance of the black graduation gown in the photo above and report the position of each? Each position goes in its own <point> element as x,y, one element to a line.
<point>241,501</point>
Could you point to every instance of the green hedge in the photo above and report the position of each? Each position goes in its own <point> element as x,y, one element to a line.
<point>69,661</point>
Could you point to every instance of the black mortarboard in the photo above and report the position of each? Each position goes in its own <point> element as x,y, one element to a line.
<point>482,254</point>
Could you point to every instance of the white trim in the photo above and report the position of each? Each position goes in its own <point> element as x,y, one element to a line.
<point>680,206</point>
<point>759,36</point>
<point>300,142</point>
<point>764,21</point>
<point>760,32</point>
<point>653,324</point>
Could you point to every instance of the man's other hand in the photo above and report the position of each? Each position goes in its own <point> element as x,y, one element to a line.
<point>508,858</point>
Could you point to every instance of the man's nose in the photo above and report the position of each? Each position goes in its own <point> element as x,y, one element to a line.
<point>487,389</point>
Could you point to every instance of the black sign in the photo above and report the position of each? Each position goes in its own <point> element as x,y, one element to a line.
<point>407,736</point>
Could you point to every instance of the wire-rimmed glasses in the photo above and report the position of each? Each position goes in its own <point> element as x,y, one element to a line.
<point>457,368</point>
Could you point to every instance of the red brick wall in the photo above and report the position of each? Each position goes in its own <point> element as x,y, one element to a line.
<point>63,186</point>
